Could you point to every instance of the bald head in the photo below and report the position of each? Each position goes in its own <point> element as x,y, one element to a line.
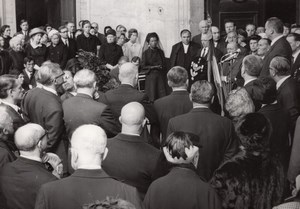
<point>28,136</point>
<point>203,26</point>
<point>232,47</point>
<point>128,73</point>
<point>215,33</point>
<point>89,140</point>
<point>132,114</point>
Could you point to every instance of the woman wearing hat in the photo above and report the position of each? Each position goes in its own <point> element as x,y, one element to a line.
<point>34,48</point>
<point>110,52</point>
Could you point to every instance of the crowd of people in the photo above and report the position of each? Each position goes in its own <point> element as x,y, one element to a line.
<point>170,133</point>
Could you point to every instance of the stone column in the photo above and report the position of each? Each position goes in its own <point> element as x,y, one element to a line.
<point>8,14</point>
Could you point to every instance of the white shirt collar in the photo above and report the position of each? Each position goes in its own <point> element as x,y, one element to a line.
<point>15,107</point>
<point>185,48</point>
<point>280,82</point>
<point>89,167</point>
<point>276,39</point>
<point>246,82</point>
<point>199,106</point>
<point>295,55</point>
<point>50,90</point>
<point>32,158</point>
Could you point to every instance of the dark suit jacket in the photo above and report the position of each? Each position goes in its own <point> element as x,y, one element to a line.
<point>6,154</point>
<point>83,187</point>
<point>65,96</point>
<point>44,108</point>
<point>177,57</point>
<point>217,140</point>
<point>197,39</point>
<point>72,48</point>
<point>28,82</point>
<point>221,45</point>
<point>255,90</point>
<point>20,182</point>
<point>280,48</point>
<point>279,140</point>
<point>295,68</point>
<point>177,103</point>
<point>181,188</point>
<point>82,109</point>
<point>288,98</point>
<point>132,160</point>
<point>15,116</point>
<point>294,165</point>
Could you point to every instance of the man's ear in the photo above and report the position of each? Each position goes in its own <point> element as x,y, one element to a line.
<point>120,119</point>
<point>190,96</point>
<point>105,153</point>
<point>5,131</point>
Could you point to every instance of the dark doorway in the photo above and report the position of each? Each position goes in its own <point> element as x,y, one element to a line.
<point>283,9</point>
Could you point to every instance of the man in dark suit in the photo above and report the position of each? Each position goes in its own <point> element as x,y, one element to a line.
<point>7,145</point>
<point>29,81</point>
<point>185,51</point>
<point>69,42</point>
<point>231,71</point>
<point>89,182</point>
<point>177,103</point>
<point>216,133</point>
<point>279,45</point>
<point>100,36</point>
<point>43,106</point>
<point>280,121</point>
<point>71,30</point>
<point>82,109</point>
<point>24,29</point>
<point>218,42</point>
<point>130,158</point>
<point>68,86</point>
<point>204,28</point>
<point>11,94</point>
<point>294,41</point>
<point>127,92</point>
<point>287,91</point>
<point>251,68</point>
<point>181,187</point>
<point>20,180</point>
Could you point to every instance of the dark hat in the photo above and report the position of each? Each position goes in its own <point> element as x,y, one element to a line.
<point>36,31</point>
<point>111,32</point>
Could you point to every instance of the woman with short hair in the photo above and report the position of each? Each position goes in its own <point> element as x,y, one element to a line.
<point>57,52</point>
<point>5,33</point>
<point>16,54</point>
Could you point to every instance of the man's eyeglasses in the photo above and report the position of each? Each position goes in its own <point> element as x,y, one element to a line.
<point>45,134</point>
<point>59,76</point>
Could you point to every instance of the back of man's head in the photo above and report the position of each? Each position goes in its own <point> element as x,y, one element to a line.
<point>128,73</point>
<point>280,65</point>
<point>123,60</point>
<point>202,92</point>
<point>5,122</point>
<point>276,24</point>
<point>132,114</point>
<point>85,79</point>
<point>88,145</point>
<point>177,77</point>
<point>48,73</point>
<point>7,82</point>
<point>252,65</point>
<point>270,91</point>
<point>28,136</point>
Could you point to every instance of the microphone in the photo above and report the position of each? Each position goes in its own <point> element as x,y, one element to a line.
<point>231,55</point>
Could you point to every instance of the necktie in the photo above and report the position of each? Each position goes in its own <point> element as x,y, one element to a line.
<point>293,60</point>
<point>67,42</point>
<point>203,52</point>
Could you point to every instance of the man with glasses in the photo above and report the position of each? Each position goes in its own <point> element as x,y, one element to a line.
<point>68,42</point>
<point>100,36</point>
<point>21,179</point>
<point>43,106</point>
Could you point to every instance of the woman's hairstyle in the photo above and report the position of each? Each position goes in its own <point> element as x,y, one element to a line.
<point>131,31</point>
<point>3,28</point>
<point>254,131</point>
<point>152,35</point>
<point>239,103</point>
<point>106,28</point>
<point>177,142</point>
<point>14,41</point>
<point>85,22</point>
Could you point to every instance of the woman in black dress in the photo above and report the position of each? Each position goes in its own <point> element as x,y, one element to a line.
<point>154,66</point>
<point>5,61</point>
<point>34,48</point>
<point>57,51</point>
<point>16,54</point>
<point>5,33</point>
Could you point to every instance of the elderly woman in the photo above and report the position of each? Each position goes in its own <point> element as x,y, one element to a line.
<point>252,179</point>
<point>35,48</point>
<point>57,52</point>
<point>16,54</point>
<point>154,66</point>
<point>238,104</point>
<point>181,187</point>
<point>5,33</point>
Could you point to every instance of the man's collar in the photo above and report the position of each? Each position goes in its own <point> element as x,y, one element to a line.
<point>200,106</point>
<point>127,84</point>
<point>89,167</point>
<point>248,81</point>
<point>50,90</point>
<point>15,107</point>
<point>295,55</point>
<point>276,39</point>
<point>35,45</point>
<point>280,82</point>
<point>38,159</point>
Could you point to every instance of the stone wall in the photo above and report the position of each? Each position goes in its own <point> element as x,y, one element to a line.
<point>8,14</point>
<point>166,17</point>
